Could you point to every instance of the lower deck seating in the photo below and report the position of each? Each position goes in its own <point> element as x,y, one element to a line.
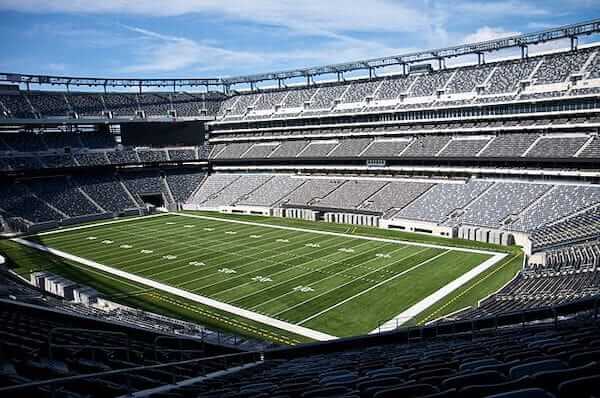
<point>39,344</point>
<point>530,362</point>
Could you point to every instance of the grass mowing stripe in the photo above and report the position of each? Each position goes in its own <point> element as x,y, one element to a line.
<point>353,288</point>
<point>292,307</point>
<point>233,251</point>
<point>372,287</point>
<point>326,280</point>
<point>23,260</point>
<point>127,234</point>
<point>302,279</point>
<point>273,264</point>
<point>330,274</point>
<point>334,275</point>
<point>117,255</point>
<point>394,297</point>
<point>290,265</point>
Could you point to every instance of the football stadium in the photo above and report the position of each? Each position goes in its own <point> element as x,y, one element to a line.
<point>424,224</point>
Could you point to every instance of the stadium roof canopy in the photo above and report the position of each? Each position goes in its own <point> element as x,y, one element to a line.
<point>523,41</point>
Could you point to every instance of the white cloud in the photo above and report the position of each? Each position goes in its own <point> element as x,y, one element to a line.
<point>540,25</point>
<point>165,53</point>
<point>171,53</point>
<point>331,15</point>
<point>493,9</point>
<point>486,33</point>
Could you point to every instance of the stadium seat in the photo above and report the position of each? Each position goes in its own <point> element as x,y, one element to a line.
<point>535,367</point>
<point>584,387</point>
<point>525,393</point>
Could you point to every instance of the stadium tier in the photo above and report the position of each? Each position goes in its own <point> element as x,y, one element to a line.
<point>450,214</point>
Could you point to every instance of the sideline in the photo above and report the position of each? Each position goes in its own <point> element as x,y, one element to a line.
<point>314,231</point>
<point>99,224</point>
<point>439,294</point>
<point>313,334</point>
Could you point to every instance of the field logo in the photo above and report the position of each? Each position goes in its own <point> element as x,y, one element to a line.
<point>303,289</point>
<point>262,279</point>
<point>228,271</point>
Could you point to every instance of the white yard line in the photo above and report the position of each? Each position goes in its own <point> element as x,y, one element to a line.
<point>313,334</point>
<point>373,287</point>
<point>398,320</point>
<point>373,271</point>
<point>467,250</point>
<point>349,282</point>
<point>58,231</point>
<point>269,259</point>
<point>439,294</point>
<point>318,269</point>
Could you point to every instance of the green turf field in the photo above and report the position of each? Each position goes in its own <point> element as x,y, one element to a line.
<point>337,285</point>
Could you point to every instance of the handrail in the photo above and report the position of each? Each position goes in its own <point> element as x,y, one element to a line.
<point>126,348</point>
<point>405,335</point>
<point>61,380</point>
<point>179,340</point>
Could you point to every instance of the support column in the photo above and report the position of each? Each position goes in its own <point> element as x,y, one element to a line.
<point>480,58</point>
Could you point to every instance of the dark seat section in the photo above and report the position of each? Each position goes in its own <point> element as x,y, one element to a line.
<point>583,387</point>
<point>38,343</point>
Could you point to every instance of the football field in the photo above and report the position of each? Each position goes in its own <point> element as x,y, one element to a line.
<point>318,284</point>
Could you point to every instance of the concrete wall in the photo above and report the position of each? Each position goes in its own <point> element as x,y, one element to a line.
<point>352,218</point>
<point>496,236</point>
<point>419,227</point>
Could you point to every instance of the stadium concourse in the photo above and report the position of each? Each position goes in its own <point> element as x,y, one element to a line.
<point>430,233</point>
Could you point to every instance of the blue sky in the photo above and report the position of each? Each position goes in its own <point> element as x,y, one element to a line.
<point>208,38</point>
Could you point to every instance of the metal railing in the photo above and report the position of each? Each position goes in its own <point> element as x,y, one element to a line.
<point>555,314</point>
<point>54,386</point>
<point>92,347</point>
